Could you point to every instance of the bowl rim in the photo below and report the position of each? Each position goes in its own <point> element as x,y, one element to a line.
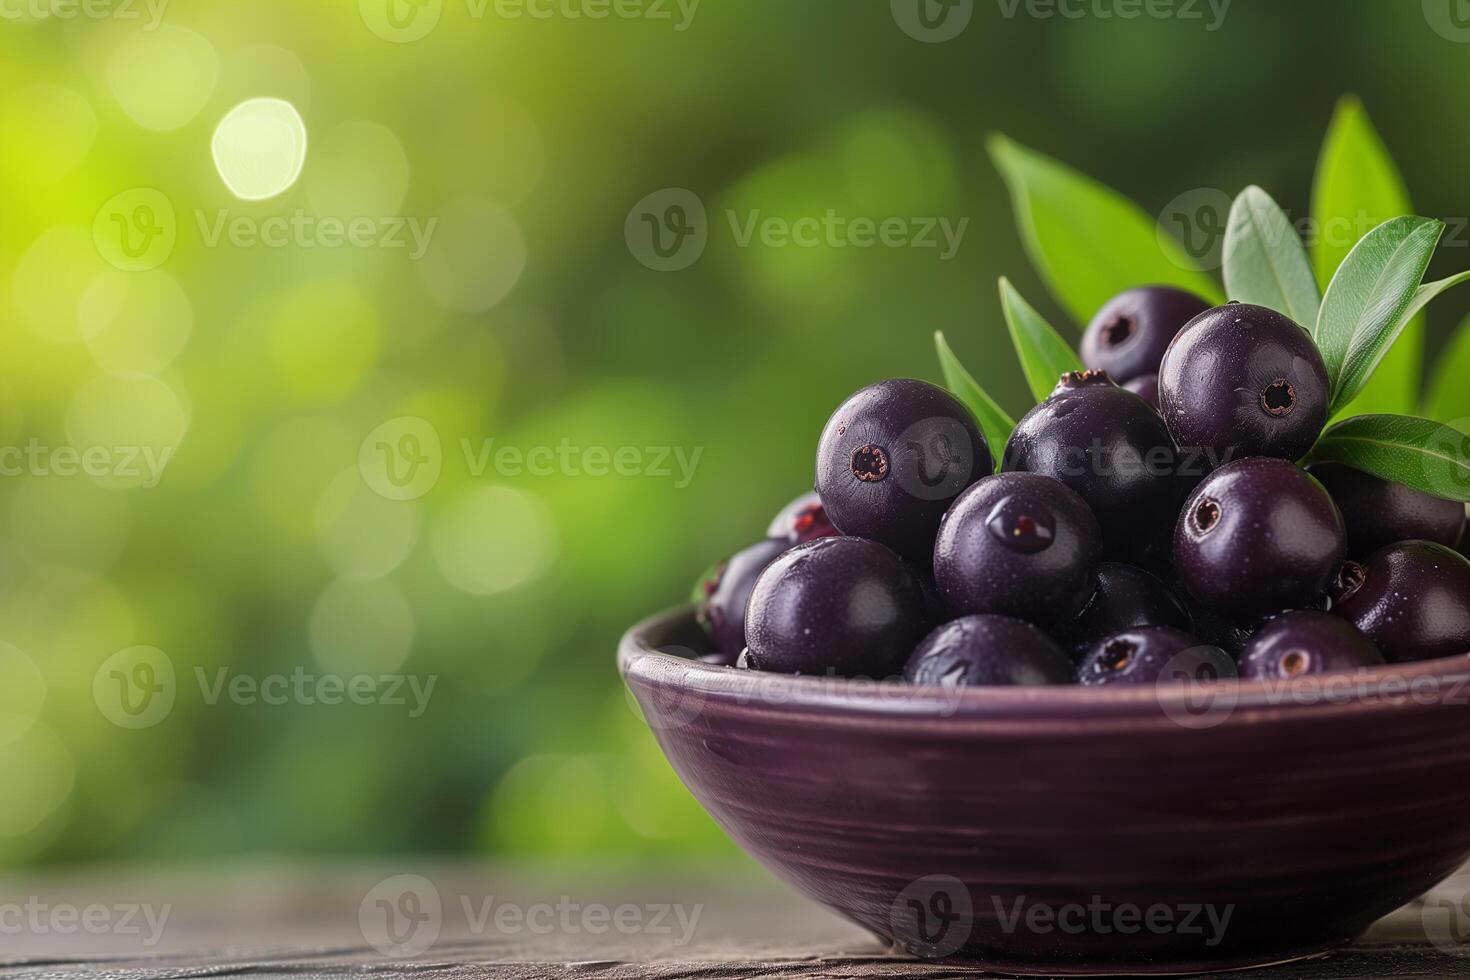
<point>644,658</point>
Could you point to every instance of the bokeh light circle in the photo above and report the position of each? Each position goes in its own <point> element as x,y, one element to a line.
<point>361,628</point>
<point>68,524</point>
<point>259,148</point>
<point>50,279</point>
<point>324,340</point>
<point>163,78</point>
<point>135,322</point>
<point>476,256</point>
<point>136,422</point>
<point>492,539</point>
<point>361,534</point>
<point>38,774</point>
<point>22,692</point>
<point>358,169</point>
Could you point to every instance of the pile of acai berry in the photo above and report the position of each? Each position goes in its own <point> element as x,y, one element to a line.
<point>1149,518</point>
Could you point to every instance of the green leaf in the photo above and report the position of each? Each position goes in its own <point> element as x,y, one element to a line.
<point>994,423</point>
<point>1265,262</point>
<point>1449,393</point>
<point>1088,242</point>
<point>1363,310</point>
<point>1044,355</point>
<point>1416,452</point>
<point>1357,188</point>
<point>1430,290</point>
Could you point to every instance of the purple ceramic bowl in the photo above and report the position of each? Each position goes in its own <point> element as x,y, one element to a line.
<point>1069,830</point>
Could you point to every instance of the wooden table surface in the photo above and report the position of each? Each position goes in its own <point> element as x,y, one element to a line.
<point>269,919</point>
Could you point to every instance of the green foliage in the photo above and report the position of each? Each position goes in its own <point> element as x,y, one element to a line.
<point>1363,311</point>
<point>1265,262</point>
<point>1043,354</point>
<point>1087,241</point>
<point>1357,188</point>
<point>1449,391</point>
<point>994,423</point>
<point>1416,452</point>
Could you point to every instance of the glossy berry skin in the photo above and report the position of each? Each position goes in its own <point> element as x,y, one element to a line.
<point>993,651</point>
<point>1145,386</point>
<point>722,611</point>
<point>1379,513</point>
<point>891,460</point>
<point>1220,631</point>
<point>1126,598</point>
<point>1258,536</point>
<point>1307,642</point>
<point>1018,544</point>
<point>1128,336</point>
<point>1113,449</point>
<point>838,605</point>
<point>1413,602</point>
<point>802,520</point>
<point>1151,655</point>
<point>1242,380</point>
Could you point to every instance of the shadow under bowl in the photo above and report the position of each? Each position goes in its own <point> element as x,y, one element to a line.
<point>1075,831</point>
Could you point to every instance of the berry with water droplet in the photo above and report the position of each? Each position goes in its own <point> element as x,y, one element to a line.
<point>891,460</point>
<point>837,605</point>
<point>1114,450</point>
<point>1018,544</point>
<point>1258,536</point>
<point>1128,336</point>
<point>1380,513</point>
<point>1243,380</point>
<point>1150,655</point>
<point>1305,642</point>
<point>1413,601</point>
<point>804,519</point>
<point>988,651</point>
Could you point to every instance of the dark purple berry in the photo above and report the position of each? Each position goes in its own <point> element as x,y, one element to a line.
<point>1242,380</point>
<point>1258,536</point>
<point>802,520</point>
<point>1413,601</point>
<point>988,651</point>
<point>837,605</point>
<point>726,591</point>
<point>1220,631</point>
<point>1128,336</point>
<point>1145,386</point>
<point>1304,642</point>
<point>1126,598</point>
<point>1379,513</point>
<point>1113,449</point>
<point>1018,544</point>
<point>1152,655</point>
<point>891,460</point>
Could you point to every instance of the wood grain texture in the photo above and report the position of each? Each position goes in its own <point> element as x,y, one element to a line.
<point>299,922</point>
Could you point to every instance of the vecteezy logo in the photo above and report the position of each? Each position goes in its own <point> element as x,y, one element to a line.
<point>136,229</point>
<point>1450,19</point>
<point>935,458</point>
<point>1195,220</point>
<point>933,916</point>
<point>667,230</point>
<point>1446,923</point>
<point>135,687</point>
<point>1193,695</point>
<point>401,459</point>
<point>400,21</point>
<point>401,916</point>
<point>932,21</point>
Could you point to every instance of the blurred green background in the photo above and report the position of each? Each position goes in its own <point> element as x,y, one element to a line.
<point>273,374</point>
